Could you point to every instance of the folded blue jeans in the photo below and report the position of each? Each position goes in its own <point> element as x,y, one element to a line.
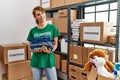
<point>49,72</point>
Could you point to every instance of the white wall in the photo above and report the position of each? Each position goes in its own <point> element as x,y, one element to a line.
<point>16,20</point>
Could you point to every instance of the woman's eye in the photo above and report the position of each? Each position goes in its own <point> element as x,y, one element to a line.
<point>38,14</point>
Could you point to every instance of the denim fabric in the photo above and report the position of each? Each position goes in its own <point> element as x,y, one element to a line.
<point>38,42</point>
<point>50,73</point>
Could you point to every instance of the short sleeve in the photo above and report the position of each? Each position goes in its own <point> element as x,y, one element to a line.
<point>56,32</point>
<point>30,35</point>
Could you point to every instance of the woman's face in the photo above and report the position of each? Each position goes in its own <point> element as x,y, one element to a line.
<point>40,16</point>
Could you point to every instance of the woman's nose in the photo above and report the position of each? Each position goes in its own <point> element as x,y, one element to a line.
<point>41,16</point>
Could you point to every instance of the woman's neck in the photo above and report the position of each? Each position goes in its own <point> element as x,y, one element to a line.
<point>42,25</point>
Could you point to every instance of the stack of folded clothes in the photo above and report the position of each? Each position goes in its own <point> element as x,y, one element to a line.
<point>38,42</point>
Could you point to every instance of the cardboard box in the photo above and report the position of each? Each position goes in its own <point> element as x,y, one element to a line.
<point>62,24</point>
<point>57,57</point>
<point>100,77</point>
<point>73,69</point>
<point>64,66</point>
<point>95,32</point>
<point>4,77</point>
<point>3,68</point>
<point>85,53</point>
<point>80,55</point>
<point>69,2</point>
<point>73,72</point>
<point>73,77</point>
<point>73,54</point>
<point>112,39</point>
<point>64,13</point>
<point>77,73</point>
<point>111,55</point>
<point>46,4</point>
<point>13,52</point>
<point>29,53</point>
<point>92,75</point>
<point>19,70</point>
<point>82,74</point>
<point>57,3</point>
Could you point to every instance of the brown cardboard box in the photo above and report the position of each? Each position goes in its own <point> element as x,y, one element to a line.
<point>73,54</point>
<point>73,72</point>
<point>57,3</point>
<point>77,73</point>
<point>46,4</point>
<point>111,55</point>
<point>64,13</point>
<point>29,53</point>
<point>57,57</point>
<point>62,24</point>
<point>112,39</point>
<point>86,0</point>
<point>73,77</point>
<point>100,77</point>
<point>4,77</point>
<point>19,70</point>
<point>13,52</point>
<point>92,75</point>
<point>3,68</point>
<point>69,2</point>
<point>82,74</point>
<point>95,32</point>
<point>85,52</point>
<point>73,69</point>
<point>85,55</point>
<point>80,55</point>
<point>64,66</point>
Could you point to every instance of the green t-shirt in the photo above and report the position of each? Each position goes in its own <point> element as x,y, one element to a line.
<point>43,60</point>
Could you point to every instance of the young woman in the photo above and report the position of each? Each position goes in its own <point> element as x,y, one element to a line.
<point>43,59</point>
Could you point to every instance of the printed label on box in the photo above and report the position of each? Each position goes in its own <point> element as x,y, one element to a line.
<point>91,33</point>
<point>45,3</point>
<point>17,54</point>
<point>75,56</point>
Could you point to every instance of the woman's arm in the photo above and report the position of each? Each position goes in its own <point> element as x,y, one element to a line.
<point>55,43</point>
<point>44,48</point>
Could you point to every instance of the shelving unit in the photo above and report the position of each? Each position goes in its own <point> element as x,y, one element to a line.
<point>98,2</point>
<point>80,7</point>
<point>62,75</point>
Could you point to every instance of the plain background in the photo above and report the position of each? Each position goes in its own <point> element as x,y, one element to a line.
<point>16,19</point>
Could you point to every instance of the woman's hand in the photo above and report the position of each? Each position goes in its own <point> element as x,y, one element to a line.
<point>44,49</point>
<point>37,50</point>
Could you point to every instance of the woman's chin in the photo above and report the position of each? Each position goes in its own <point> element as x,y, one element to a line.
<point>42,21</point>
